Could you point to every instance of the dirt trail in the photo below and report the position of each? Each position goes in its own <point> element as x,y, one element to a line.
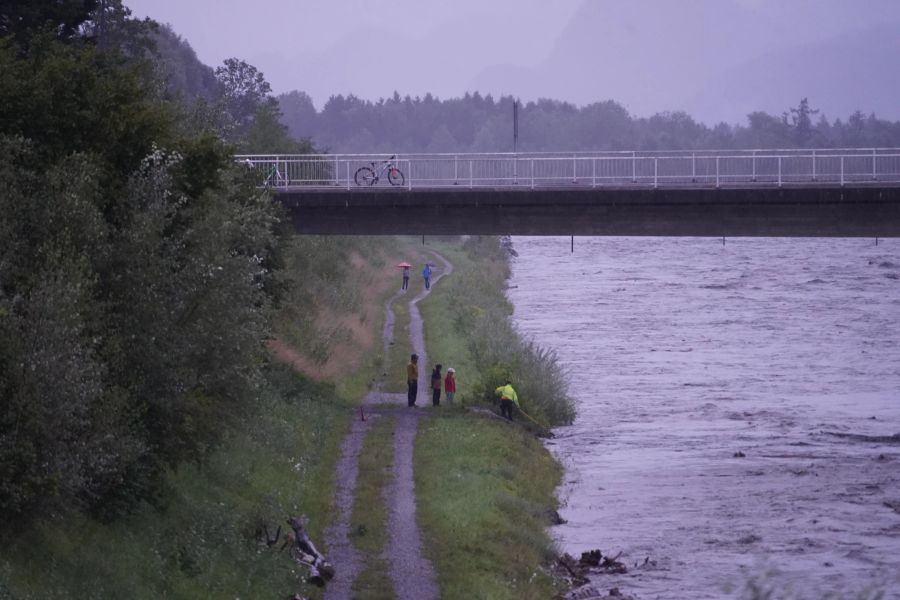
<point>341,553</point>
<point>411,572</point>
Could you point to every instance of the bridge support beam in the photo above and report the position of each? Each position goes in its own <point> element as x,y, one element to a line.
<point>868,211</point>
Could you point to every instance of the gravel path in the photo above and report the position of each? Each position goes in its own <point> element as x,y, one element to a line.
<point>411,572</point>
<point>341,553</point>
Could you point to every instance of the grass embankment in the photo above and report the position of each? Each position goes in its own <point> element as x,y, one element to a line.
<point>199,535</point>
<point>369,532</point>
<point>486,488</point>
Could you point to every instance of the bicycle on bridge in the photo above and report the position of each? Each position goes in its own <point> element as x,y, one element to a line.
<point>273,175</point>
<point>370,175</point>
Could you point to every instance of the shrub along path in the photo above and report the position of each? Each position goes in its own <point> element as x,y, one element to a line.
<point>411,573</point>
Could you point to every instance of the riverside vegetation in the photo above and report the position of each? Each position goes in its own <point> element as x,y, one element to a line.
<point>147,436</point>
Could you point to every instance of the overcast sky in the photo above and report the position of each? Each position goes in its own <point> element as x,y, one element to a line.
<point>716,59</point>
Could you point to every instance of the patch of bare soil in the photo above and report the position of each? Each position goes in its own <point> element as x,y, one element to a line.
<point>352,334</point>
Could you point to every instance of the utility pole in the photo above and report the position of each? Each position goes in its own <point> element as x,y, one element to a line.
<point>516,141</point>
<point>515,126</point>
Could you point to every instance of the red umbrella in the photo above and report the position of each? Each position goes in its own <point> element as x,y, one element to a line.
<point>404,265</point>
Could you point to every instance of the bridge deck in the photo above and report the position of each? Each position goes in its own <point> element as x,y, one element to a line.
<point>849,192</point>
<point>834,211</point>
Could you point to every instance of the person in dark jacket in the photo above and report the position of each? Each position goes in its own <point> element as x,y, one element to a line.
<point>436,385</point>
<point>412,380</point>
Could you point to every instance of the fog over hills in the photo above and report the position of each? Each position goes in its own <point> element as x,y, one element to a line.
<point>715,59</point>
<point>719,59</point>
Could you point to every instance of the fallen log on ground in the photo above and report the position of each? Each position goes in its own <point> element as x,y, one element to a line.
<point>304,552</point>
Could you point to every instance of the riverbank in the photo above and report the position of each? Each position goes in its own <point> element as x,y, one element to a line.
<point>486,487</point>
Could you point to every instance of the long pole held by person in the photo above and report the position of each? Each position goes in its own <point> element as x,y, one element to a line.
<point>533,420</point>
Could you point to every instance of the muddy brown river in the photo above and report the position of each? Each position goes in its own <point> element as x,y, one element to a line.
<point>739,410</point>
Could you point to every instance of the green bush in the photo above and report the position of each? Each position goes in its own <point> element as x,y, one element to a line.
<point>482,316</point>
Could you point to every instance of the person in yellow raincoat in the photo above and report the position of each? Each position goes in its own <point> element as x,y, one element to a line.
<point>507,397</point>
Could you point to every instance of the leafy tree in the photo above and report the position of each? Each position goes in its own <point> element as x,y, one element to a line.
<point>244,90</point>
<point>75,99</point>
<point>22,19</point>
<point>135,282</point>
<point>442,140</point>
<point>299,114</point>
<point>179,67</point>
<point>801,123</point>
<point>267,135</point>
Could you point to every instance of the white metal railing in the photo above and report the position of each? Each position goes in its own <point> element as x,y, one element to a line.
<point>729,168</point>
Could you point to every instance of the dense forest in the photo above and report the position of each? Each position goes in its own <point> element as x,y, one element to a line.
<point>476,123</point>
<point>139,270</point>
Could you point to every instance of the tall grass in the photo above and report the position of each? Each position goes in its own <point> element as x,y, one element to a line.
<point>318,275</point>
<point>201,535</point>
<point>481,318</point>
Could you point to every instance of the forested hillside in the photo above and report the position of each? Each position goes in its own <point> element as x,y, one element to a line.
<point>476,123</point>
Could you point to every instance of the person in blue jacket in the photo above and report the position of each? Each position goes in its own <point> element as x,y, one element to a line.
<point>426,273</point>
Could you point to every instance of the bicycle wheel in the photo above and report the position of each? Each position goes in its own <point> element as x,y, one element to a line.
<point>395,176</point>
<point>364,176</point>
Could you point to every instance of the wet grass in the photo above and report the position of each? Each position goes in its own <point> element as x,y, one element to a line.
<point>200,535</point>
<point>469,321</point>
<point>442,338</point>
<point>369,520</point>
<point>484,490</point>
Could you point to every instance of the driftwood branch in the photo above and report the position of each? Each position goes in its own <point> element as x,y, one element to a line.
<point>304,552</point>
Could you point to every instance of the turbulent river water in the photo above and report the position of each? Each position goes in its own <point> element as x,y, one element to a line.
<point>739,410</point>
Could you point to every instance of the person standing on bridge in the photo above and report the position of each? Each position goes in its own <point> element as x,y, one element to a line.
<point>426,273</point>
<point>507,397</point>
<point>412,380</point>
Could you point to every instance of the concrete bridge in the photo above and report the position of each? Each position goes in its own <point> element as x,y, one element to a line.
<point>797,193</point>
